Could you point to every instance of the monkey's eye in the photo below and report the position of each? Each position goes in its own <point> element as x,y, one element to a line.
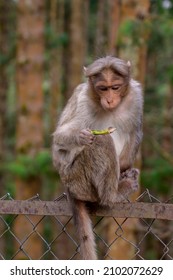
<point>102,88</point>
<point>116,87</point>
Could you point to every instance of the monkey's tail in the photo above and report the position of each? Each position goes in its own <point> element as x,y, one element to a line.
<point>84,227</point>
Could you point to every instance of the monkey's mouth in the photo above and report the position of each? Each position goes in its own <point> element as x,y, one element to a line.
<point>109,107</point>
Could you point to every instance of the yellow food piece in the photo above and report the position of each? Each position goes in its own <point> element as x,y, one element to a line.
<point>103,131</point>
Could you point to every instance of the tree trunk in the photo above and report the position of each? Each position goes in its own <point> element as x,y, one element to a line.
<point>114,22</point>
<point>56,60</point>
<point>4,6</point>
<point>100,38</point>
<point>77,45</point>
<point>167,137</point>
<point>29,136</point>
<point>4,18</point>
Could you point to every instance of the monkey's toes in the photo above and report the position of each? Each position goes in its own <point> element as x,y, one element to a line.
<point>135,186</point>
<point>132,173</point>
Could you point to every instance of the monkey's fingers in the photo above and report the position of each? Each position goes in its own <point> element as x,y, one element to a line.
<point>104,131</point>
<point>86,137</point>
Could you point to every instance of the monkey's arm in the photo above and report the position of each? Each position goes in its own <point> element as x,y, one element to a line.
<point>65,136</point>
<point>71,134</point>
<point>73,119</point>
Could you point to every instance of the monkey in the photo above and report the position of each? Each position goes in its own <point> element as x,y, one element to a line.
<point>99,168</point>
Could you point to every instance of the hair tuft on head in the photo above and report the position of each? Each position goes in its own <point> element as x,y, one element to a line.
<point>117,65</point>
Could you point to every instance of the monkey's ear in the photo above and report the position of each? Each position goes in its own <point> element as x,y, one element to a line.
<point>129,64</point>
<point>84,70</point>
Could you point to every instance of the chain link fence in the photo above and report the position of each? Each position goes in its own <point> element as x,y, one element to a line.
<point>36,229</point>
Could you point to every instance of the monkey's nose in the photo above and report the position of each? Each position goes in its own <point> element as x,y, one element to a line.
<point>109,102</point>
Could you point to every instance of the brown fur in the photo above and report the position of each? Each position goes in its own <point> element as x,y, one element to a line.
<point>99,168</point>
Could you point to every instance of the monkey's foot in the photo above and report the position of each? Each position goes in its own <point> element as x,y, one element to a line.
<point>132,173</point>
<point>128,184</point>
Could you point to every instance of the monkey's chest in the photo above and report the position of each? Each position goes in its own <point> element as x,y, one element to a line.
<point>120,141</point>
<point>120,138</point>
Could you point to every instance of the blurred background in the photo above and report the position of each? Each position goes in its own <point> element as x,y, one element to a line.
<point>44,45</point>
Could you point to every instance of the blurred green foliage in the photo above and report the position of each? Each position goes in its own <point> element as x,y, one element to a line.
<point>27,167</point>
<point>55,40</point>
<point>135,30</point>
<point>158,175</point>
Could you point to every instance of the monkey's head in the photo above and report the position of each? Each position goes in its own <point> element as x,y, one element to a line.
<point>109,79</point>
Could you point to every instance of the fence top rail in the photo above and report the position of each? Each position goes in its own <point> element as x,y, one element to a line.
<point>62,208</point>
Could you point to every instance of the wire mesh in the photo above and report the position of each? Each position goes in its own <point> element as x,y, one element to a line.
<point>54,237</point>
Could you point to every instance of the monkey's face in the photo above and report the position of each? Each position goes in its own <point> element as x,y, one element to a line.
<point>110,88</point>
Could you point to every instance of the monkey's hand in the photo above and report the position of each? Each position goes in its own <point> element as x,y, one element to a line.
<point>85,137</point>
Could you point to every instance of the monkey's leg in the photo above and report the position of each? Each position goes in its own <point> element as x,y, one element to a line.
<point>103,170</point>
<point>94,174</point>
<point>77,178</point>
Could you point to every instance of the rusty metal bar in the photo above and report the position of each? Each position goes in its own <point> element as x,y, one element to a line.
<point>62,208</point>
<point>140,210</point>
<point>35,207</point>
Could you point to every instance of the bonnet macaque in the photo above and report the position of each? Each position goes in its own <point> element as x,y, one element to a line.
<point>98,168</point>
